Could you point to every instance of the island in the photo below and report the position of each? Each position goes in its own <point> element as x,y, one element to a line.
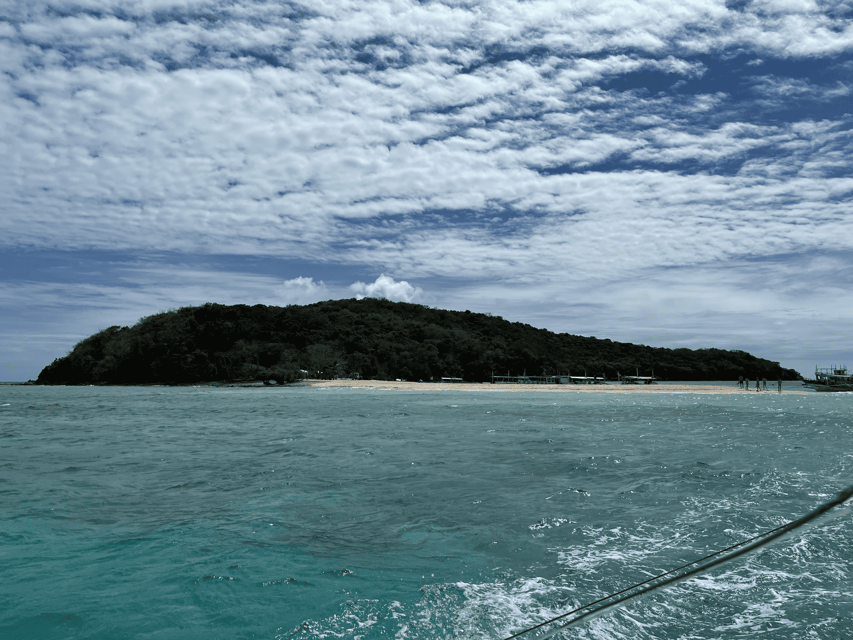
<point>368,339</point>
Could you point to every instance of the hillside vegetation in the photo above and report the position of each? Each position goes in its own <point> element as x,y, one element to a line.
<point>369,338</point>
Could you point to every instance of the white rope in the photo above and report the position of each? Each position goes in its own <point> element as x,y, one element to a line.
<point>683,572</point>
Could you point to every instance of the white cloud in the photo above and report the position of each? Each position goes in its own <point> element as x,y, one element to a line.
<point>227,152</point>
<point>785,89</point>
<point>303,291</point>
<point>386,287</point>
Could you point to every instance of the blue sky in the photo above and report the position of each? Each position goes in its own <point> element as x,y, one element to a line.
<point>672,174</point>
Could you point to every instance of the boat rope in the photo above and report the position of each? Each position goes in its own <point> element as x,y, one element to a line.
<point>715,559</point>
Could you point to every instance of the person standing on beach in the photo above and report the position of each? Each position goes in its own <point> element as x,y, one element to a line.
<point>757,384</point>
<point>746,382</point>
<point>764,383</point>
<point>740,381</point>
<point>780,385</point>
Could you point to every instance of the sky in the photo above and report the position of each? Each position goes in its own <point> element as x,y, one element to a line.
<point>676,174</point>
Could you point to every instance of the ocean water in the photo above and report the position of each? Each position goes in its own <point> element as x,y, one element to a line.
<point>298,514</point>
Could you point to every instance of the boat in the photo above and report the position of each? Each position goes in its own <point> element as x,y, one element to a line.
<point>831,379</point>
<point>638,379</point>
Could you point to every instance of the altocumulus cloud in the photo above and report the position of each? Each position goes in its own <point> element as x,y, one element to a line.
<point>516,157</point>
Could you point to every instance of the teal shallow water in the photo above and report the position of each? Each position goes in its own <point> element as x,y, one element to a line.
<point>296,513</point>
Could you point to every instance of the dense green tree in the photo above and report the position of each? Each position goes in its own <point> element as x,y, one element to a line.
<point>370,338</point>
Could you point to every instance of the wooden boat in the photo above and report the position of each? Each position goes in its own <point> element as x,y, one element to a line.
<point>831,379</point>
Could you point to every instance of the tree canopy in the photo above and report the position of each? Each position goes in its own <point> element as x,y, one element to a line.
<point>369,338</point>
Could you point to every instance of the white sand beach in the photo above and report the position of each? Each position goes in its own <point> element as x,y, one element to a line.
<point>543,388</point>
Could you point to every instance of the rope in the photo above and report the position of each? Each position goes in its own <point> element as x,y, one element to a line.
<point>731,553</point>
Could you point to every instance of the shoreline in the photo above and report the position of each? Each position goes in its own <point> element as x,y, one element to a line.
<point>475,387</point>
<point>381,385</point>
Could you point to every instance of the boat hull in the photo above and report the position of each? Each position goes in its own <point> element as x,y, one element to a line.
<point>831,379</point>
<point>830,387</point>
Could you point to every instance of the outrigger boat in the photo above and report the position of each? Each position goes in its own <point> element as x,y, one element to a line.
<point>831,379</point>
<point>638,379</point>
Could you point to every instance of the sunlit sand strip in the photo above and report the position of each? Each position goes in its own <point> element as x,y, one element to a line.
<point>545,388</point>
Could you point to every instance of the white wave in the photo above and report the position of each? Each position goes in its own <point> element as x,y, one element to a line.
<point>631,548</point>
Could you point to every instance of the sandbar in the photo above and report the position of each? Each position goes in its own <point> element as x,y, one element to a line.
<point>542,388</point>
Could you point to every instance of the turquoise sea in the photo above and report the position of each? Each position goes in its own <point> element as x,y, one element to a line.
<point>288,513</point>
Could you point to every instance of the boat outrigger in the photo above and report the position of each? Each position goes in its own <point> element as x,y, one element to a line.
<point>638,379</point>
<point>831,379</point>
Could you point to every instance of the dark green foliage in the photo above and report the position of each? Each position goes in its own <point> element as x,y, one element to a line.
<point>370,338</point>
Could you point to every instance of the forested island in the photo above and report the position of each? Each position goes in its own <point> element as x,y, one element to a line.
<point>369,338</point>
